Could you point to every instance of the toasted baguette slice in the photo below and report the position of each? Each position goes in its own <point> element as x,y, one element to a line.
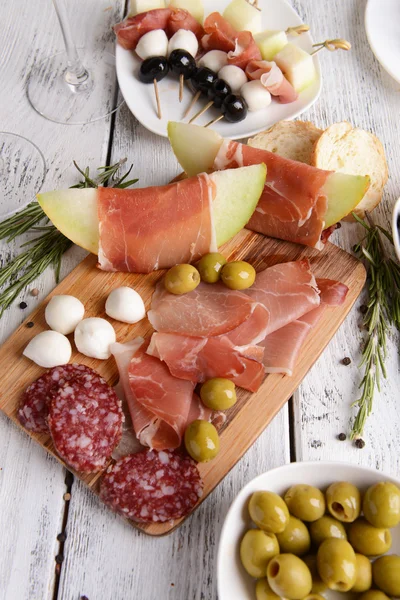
<point>345,149</point>
<point>290,139</point>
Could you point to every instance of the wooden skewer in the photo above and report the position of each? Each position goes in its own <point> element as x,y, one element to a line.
<point>181,80</point>
<point>157,99</point>
<point>214,120</point>
<point>202,111</point>
<point>298,30</point>
<point>332,45</point>
<point>193,102</point>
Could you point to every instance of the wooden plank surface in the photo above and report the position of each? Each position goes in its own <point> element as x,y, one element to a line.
<point>252,412</point>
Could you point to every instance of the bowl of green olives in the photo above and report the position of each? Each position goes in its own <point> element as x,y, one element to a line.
<point>309,531</point>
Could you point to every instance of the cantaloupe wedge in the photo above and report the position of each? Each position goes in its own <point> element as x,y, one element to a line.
<point>74,211</point>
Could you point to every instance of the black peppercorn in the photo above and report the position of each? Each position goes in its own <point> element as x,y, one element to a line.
<point>30,324</point>
<point>346,361</point>
<point>23,305</point>
<point>342,437</point>
<point>360,443</point>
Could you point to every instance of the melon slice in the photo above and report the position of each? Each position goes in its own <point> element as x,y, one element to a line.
<point>140,6</point>
<point>196,148</point>
<point>243,16</point>
<point>270,42</point>
<point>297,66</point>
<point>74,211</point>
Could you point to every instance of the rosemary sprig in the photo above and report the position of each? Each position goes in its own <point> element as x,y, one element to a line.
<point>383,309</point>
<point>49,247</point>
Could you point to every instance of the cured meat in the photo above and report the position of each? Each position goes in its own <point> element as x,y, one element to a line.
<point>198,410</point>
<point>34,408</point>
<point>282,347</point>
<point>182,19</point>
<point>131,29</point>
<point>151,487</point>
<point>287,290</point>
<point>200,359</point>
<point>219,34</point>
<point>246,50</point>
<point>251,331</point>
<point>85,422</point>
<point>272,79</point>
<point>292,206</point>
<point>206,311</point>
<point>137,226</point>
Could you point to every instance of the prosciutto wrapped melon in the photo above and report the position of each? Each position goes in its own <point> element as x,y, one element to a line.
<point>299,203</point>
<point>141,230</point>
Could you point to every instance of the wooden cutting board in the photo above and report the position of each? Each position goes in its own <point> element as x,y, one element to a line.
<point>252,412</point>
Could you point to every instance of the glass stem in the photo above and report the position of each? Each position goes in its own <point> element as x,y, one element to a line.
<point>76,73</point>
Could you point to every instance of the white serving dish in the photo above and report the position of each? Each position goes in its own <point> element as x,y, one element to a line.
<point>382,19</point>
<point>395,227</point>
<point>233,582</point>
<point>139,97</point>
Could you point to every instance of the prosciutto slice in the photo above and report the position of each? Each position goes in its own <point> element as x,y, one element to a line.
<point>199,359</point>
<point>282,347</point>
<point>272,79</point>
<point>136,227</point>
<point>293,205</point>
<point>246,50</point>
<point>131,29</point>
<point>219,34</point>
<point>182,19</point>
<point>208,310</point>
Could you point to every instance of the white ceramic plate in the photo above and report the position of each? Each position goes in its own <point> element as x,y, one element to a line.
<point>141,101</point>
<point>233,582</point>
<point>382,24</point>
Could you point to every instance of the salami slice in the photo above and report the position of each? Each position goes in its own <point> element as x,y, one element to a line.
<point>34,408</point>
<point>85,422</point>
<point>152,486</point>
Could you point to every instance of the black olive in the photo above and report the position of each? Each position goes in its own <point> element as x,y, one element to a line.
<point>218,92</point>
<point>203,79</point>
<point>182,63</point>
<point>155,67</point>
<point>234,108</point>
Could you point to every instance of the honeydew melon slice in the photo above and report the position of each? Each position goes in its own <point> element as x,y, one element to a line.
<point>243,16</point>
<point>196,148</point>
<point>270,42</point>
<point>74,211</point>
<point>297,66</point>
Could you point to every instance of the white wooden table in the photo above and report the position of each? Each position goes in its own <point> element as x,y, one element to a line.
<point>105,559</point>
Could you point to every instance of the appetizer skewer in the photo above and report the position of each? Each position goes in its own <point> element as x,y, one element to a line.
<point>152,70</point>
<point>182,48</point>
<point>201,81</point>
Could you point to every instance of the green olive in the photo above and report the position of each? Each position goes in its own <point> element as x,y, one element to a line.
<point>326,527</point>
<point>305,502</point>
<point>373,595</point>
<point>264,592</point>
<point>295,538</point>
<point>256,550</point>
<point>336,563</point>
<point>381,505</point>
<point>210,267</point>
<point>201,440</point>
<point>364,574</point>
<point>238,275</point>
<point>289,576</point>
<point>181,279</point>
<point>318,586</point>
<point>218,393</point>
<point>268,511</point>
<point>386,574</point>
<point>344,501</point>
<point>369,540</point>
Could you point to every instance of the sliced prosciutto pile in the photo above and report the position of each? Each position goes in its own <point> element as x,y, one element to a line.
<point>292,206</point>
<point>136,226</point>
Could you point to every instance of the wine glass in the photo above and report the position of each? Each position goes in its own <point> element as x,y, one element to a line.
<point>22,172</point>
<point>75,86</point>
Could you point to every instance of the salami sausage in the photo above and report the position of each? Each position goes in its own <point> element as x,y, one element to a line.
<point>34,408</point>
<point>85,422</point>
<point>152,486</point>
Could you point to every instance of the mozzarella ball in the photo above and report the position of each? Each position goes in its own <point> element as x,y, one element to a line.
<point>93,337</point>
<point>233,76</point>
<point>63,313</point>
<point>49,349</point>
<point>126,305</point>
<point>183,40</point>
<point>256,95</point>
<point>214,60</point>
<point>153,43</point>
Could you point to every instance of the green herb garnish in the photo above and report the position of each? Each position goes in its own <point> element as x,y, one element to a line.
<point>48,248</point>
<point>383,311</point>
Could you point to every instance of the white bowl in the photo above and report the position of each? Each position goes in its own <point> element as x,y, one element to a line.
<point>141,101</point>
<point>233,582</point>
<point>396,228</point>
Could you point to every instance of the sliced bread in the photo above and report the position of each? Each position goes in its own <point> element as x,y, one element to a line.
<point>290,139</point>
<point>345,149</point>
